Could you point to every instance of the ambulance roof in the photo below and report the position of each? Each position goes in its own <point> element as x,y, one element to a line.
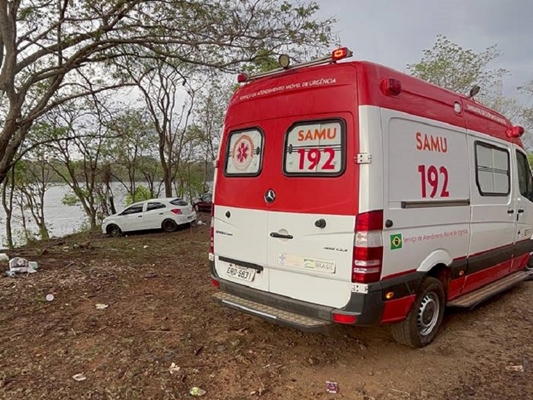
<point>417,96</point>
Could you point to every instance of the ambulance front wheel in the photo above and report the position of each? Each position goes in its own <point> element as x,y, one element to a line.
<point>425,318</point>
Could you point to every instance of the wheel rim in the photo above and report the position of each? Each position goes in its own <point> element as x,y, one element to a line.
<point>113,231</point>
<point>428,314</point>
<point>168,226</point>
<point>529,265</point>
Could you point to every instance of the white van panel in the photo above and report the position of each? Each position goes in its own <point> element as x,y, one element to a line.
<point>371,175</point>
<point>315,265</point>
<point>492,226</point>
<point>241,232</point>
<point>427,190</point>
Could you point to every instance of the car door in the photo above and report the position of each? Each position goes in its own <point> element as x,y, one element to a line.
<point>132,218</point>
<point>154,214</point>
<point>493,218</point>
<point>239,218</point>
<point>311,216</point>
<point>524,209</point>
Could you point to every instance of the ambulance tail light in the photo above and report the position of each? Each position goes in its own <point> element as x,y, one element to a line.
<point>241,78</point>
<point>391,86</point>
<point>515,132</point>
<point>368,247</point>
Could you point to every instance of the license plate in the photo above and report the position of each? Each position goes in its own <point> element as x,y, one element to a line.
<point>236,271</point>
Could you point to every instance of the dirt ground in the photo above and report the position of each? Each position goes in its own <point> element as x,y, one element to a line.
<point>158,292</point>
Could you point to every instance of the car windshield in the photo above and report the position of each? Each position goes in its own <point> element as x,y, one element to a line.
<point>179,202</point>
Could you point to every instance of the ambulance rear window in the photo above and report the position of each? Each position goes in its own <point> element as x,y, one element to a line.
<point>315,148</point>
<point>244,153</point>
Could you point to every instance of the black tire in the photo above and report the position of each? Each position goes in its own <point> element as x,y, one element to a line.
<point>529,268</point>
<point>113,230</point>
<point>425,318</point>
<point>169,225</point>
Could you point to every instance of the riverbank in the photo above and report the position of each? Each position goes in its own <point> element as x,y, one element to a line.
<point>156,312</point>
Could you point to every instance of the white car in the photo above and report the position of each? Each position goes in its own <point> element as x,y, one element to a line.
<point>165,213</point>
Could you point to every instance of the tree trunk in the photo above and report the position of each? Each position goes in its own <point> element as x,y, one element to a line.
<point>7,202</point>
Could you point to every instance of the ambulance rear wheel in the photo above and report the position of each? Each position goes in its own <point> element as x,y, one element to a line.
<point>425,318</point>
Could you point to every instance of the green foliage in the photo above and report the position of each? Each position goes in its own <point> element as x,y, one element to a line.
<point>70,199</point>
<point>141,193</point>
<point>43,72</point>
<point>530,158</point>
<point>451,66</point>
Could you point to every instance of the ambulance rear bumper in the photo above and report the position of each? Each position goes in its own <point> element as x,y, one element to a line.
<point>367,309</point>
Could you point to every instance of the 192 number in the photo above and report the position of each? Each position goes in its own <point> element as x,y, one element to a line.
<point>314,156</point>
<point>432,177</point>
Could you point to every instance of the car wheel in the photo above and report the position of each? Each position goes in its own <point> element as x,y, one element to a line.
<point>529,267</point>
<point>169,225</point>
<point>113,230</point>
<point>424,320</point>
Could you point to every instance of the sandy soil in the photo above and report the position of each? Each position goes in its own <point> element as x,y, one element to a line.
<point>158,292</point>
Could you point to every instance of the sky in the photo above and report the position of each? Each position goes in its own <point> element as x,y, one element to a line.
<point>395,33</point>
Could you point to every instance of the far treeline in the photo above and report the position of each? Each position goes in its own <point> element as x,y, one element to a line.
<point>134,92</point>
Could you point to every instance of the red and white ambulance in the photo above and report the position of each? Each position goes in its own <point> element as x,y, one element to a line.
<point>351,193</point>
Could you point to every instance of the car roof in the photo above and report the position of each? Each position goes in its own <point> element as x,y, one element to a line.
<point>158,199</point>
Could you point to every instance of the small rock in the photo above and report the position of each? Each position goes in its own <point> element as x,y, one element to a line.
<point>196,391</point>
<point>313,361</point>
<point>173,368</point>
<point>221,348</point>
<point>370,373</point>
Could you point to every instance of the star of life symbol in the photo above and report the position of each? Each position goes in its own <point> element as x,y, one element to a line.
<point>281,259</point>
<point>243,153</point>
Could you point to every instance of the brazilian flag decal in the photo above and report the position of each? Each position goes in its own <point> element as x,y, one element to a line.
<point>396,241</point>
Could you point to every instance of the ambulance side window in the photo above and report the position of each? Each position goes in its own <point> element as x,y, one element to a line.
<point>493,176</point>
<point>525,180</point>
<point>244,154</point>
<point>315,148</point>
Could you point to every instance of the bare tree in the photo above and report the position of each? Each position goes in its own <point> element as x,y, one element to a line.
<point>80,159</point>
<point>54,52</point>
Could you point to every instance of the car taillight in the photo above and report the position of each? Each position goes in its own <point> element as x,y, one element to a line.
<point>176,211</point>
<point>344,318</point>
<point>368,247</point>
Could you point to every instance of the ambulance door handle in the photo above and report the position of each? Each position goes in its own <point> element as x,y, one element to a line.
<point>520,210</point>
<point>510,211</point>
<point>280,236</point>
